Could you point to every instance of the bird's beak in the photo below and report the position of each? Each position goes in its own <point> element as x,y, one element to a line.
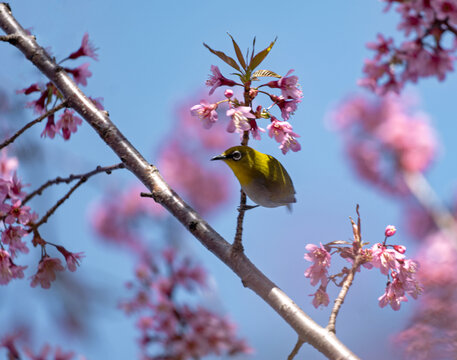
<point>219,157</point>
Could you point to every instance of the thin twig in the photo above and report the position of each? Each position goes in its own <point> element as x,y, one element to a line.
<point>67,180</point>
<point>238,241</point>
<point>440,214</point>
<point>12,38</point>
<point>36,121</point>
<point>296,348</point>
<point>350,277</point>
<point>60,202</point>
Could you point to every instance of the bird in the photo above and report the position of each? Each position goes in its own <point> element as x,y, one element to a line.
<point>262,177</point>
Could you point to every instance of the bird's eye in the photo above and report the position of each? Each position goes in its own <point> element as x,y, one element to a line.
<point>236,155</point>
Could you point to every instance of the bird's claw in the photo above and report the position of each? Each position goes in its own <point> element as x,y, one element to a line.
<point>247,207</point>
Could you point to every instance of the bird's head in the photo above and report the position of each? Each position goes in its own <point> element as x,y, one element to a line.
<point>242,160</point>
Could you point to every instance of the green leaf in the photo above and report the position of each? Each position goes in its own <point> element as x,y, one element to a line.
<point>264,73</point>
<point>224,57</point>
<point>253,48</point>
<point>238,52</point>
<point>261,56</point>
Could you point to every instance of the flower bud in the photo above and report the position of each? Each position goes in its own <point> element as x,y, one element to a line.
<point>390,231</point>
<point>228,93</point>
<point>400,248</point>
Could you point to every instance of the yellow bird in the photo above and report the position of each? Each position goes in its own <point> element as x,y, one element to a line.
<point>261,176</point>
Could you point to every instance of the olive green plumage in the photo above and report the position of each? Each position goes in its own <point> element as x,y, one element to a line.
<point>261,176</point>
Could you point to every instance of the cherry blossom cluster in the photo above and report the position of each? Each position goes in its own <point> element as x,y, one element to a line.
<point>68,122</point>
<point>389,259</point>
<point>243,115</point>
<point>17,221</point>
<point>384,138</point>
<point>14,217</point>
<point>16,340</point>
<point>430,28</point>
<point>433,321</point>
<point>173,329</point>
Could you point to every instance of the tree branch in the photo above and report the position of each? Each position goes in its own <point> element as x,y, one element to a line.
<point>323,340</point>
<point>350,277</point>
<point>51,211</point>
<point>33,122</point>
<point>424,193</point>
<point>67,180</point>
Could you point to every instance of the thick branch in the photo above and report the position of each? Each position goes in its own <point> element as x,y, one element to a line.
<point>323,340</point>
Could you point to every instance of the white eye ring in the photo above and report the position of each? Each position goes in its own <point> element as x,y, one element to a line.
<point>236,155</point>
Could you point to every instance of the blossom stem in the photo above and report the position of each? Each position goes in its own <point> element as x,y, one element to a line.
<point>36,121</point>
<point>67,180</point>
<point>238,241</point>
<point>424,193</point>
<point>331,326</point>
<point>52,210</point>
<point>296,348</point>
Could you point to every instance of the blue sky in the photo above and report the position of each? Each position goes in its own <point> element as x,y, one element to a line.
<point>150,58</point>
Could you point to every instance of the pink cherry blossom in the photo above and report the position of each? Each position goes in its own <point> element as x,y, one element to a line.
<point>424,54</point>
<point>211,139</point>
<point>280,129</point>
<point>86,49</point>
<point>15,188</point>
<point>46,272</point>
<point>80,73</point>
<point>445,9</point>
<point>288,85</point>
<point>217,79</point>
<point>386,138</point>
<point>321,259</point>
<point>255,129</point>
<point>320,298</point>
<point>239,119</point>
<point>289,143</point>
<point>385,259</point>
<point>7,164</point>
<point>68,123</point>
<point>17,213</point>
<point>72,259</point>
<point>98,102</point>
<point>50,129</point>
<point>400,248</point>
<point>8,270</point>
<point>382,46</point>
<point>392,297</point>
<point>287,107</point>
<point>206,112</point>
<point>4,189</point>
<point>38,105</point>
<point>172,327</point>
<point>390,230</point>
<point>32,88</point>
<point>12,236</point>
<point>433,321</point>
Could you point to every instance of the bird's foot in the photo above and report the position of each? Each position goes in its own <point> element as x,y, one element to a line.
<point>247,207</point>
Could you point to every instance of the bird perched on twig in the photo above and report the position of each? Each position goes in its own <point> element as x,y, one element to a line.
<point>261,176</point>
